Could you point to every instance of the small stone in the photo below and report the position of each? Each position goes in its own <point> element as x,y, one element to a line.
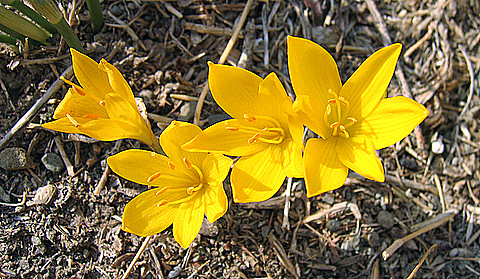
<point>52,162</point>
<point>15,158</point>
<point>438,147</point>
<point>328,199</point>
<point>187,111</point>
<point>351,244</point>
<point>373,239</point>
<point>334,225</point>
<point>115,10</point>
<point>385,219</point>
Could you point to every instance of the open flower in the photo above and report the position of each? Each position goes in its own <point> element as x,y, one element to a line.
<point>352,120</point>
<point>264,131</point>
<point>187,186</point>
<point>102,107</point>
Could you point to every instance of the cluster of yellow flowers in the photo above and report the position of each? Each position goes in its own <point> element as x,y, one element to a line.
<point>266,133</point>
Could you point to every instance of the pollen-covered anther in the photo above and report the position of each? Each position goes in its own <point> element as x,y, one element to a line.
<point>153,177</point>
<point>353,119</point>
<point>250,118</point>
<point>162,190</point>
<point>190,190</point>
<point>187,163</point>
<point>171,166</point>
<point>164,202</point>
<point>74,122</point>
<point>331,101</point>
<point>232,128</point>
<point>102,103</point>
<point>254,138</point>
<point>77,88</point>
<point>335,124</point>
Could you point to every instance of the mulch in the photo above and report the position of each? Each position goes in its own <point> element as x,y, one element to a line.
<point>64,222</point>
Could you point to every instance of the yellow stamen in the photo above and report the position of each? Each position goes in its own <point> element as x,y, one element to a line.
<point>74,122</point>
<point>249,118</point>
<point>232,128</point>
<point>163,190</point>
<point>171,166</point>
<point>153,177</point>
<point>164,202</point>
<point>77,88</point>
<point>254,138</point>
<point>334,124</point>
<point>344,134</point>
<point>187,163</point>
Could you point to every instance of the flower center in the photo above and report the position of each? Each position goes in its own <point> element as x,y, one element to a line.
<point>268,129</point>
<point>196,186</point>
<point>336,115</point>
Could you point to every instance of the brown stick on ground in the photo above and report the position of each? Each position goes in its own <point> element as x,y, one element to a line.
<point>32,112</point>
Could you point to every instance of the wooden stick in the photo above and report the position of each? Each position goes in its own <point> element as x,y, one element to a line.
<point>422,260</point>
<point>226,52</point>
<point>32,112</point>
<point>135,259</point>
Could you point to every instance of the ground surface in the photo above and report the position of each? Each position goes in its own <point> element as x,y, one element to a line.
<point>74,232</point>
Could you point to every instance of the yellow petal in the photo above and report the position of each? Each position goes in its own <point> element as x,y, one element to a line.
<point>143,216</point>
<point>273,100</point>
<point>93,80</point>
<point>258,177</point>
<point>366,86</point>
<point>174,136</point>
<point>311,114</point>
<point>359,155</point>
<point>296,129</point>
<point>188,221</point>
<point>218,138</point>
<point>62,125</point>
<point>313,71</point>
<point>117,82</point>
<point>109,130</point>
<point>323,170</point>
<point>234,89</point>
<point>79,106</point>
<point>215,167</point>
<point>392,120</point>
<point>216,202</point>
<point>139,166</point>
<point>293,161</point>
<point>119,109</point>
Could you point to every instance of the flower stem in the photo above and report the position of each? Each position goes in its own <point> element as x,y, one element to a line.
<point>96,16</point>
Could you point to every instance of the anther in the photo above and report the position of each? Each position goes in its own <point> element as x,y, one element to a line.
<point>232,128</point>
<point>335,124</point>
<point>171,166</point>
<point>74,122</point>
<point>164,202</point>
<point>249,118</point>
<point>352,119</point>
<point>163,190</point>
<point>91,115</point>
<point>187,163</point>
<point>254,138</point>
<point>190,190</point>
<point>328,110</point>
<point>102,103</point>
<point>153,177</point>
<point>343,100</point>
<point>331,101</point>
<point>77,88</point>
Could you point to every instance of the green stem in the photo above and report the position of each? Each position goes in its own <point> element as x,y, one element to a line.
<point>96,16</point>
<point>40,20</point>
<point>69,36</point>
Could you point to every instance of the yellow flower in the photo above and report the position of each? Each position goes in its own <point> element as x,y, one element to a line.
<point>188,185</point>
<point>263,131</point>
<point>352,119</point>
<point>102,107</point>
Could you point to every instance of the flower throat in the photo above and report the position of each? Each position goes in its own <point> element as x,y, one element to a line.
<point>335,116</point>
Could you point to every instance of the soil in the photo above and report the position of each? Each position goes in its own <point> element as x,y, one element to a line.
<point>65,223</point>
